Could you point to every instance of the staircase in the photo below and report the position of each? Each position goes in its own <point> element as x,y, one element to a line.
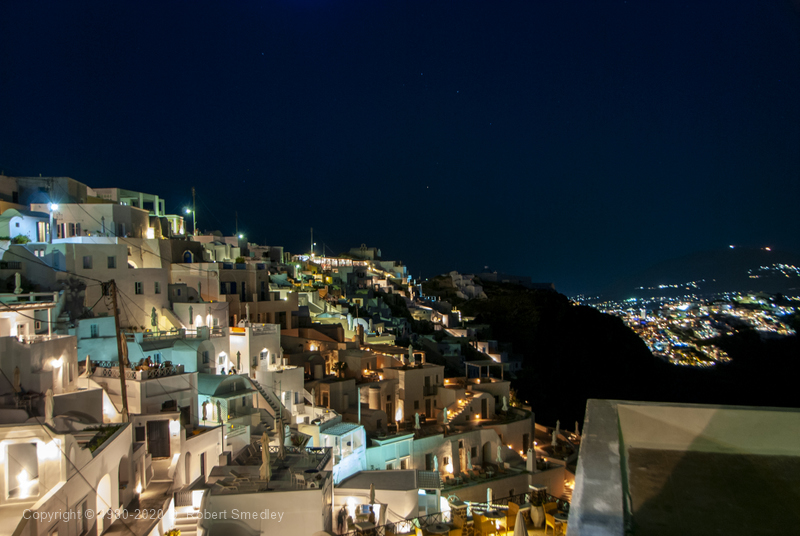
<point>186,521</point>
<point>278,409</point>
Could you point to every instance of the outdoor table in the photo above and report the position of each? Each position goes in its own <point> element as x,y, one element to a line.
<point>495,516</point>
<point>561,517</point>
<point>489,473</point>
<point>438,528</point>
<point>364,527</point>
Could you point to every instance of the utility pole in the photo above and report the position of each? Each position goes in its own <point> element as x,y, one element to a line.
<point>194,214</point>
<point>122,351</point>
<point>312,241</point>
<point>236,212</point>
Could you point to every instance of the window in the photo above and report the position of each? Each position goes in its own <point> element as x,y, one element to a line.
<point>138,288</point>
<point>112,262</point>
<point>445,460</point>
<point>94,330</point>
<point>87,262</point>
<point>223,288</point>
<point>157,287</point>
<point>404,463</point>
<point>388,398</point>
<point>389,466</point>
<point>233,287</point>
<point>473,452</point>
<point>71,229</point>
<point>206,358</point>
<point>416,404</point>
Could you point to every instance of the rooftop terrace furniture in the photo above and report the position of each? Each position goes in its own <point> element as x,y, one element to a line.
<point>550,521</point>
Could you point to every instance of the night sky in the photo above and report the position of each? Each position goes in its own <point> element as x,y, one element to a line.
<point>574,142</point>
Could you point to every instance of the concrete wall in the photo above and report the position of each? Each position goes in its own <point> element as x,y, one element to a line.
<point>710,428</point>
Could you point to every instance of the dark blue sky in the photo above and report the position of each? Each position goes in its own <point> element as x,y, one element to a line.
<point>570,141</point>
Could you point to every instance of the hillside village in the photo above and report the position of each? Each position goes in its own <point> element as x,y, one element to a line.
<point>239,377</point>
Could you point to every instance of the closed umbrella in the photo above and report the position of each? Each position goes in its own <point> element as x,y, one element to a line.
<point>48,407</point>
<point>17,386</point>
<point>281,439</point>
<point>519,526</point>
<point>372,494</point>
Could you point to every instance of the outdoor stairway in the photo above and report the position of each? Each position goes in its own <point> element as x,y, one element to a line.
<point>186,522</point>
<point>460,408</point>
<point>278,408</point>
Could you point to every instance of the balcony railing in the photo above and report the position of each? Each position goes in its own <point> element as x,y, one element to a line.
<point>109,369</point>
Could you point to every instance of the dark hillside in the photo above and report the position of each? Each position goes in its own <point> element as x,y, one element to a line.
<point>573,353</point>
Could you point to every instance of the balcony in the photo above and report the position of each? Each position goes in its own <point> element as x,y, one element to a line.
<point>109,369</point>
<point>430,390</point>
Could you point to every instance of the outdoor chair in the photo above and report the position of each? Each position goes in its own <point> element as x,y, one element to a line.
<point>459,526</point>
<point>483,527</point>
<point>511,515</point>
<point>550,521</point>
<point>550,507</point>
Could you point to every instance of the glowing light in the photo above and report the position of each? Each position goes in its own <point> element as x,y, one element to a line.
<point>139,488</point>
<point>188,211</point>
<point>198,320</point>
<point>351,507</point>
<point>25,483</point>
<point>151,233</point>
<point>174,427</point>
<point>398,415</point>
<point>53,206</point>
<point>50,451</point>
<point>58,362</point>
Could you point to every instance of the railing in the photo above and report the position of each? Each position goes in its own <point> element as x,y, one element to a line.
<point>110,369</point>
<point>429,390</point>
<point>235,430</point>
<point>411,524</point>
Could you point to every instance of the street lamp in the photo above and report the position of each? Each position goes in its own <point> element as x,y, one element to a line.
<point>53,208</point>
<point>194,220</point>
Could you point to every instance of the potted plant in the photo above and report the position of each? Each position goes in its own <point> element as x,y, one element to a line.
<point>537,508</point>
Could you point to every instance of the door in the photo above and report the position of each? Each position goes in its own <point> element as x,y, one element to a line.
<point>484,408</point>
<point>390,411</point>
<point>428,413</point>
<point>158,439</point>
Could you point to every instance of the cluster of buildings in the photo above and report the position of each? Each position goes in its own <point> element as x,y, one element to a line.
<point>680,331</point>
<point>156,378</point>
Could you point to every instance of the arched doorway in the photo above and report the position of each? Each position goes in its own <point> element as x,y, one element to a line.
<point>103,503</point>
<point>187,470</point>
<point>486,453</point>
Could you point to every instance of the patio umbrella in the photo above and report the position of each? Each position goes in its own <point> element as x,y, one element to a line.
<point>499,455</point>
<point>265,472</point>
<point>372,494</point>
<point>17,386</point>
<point>416,421</point>
<point>435,463</point>
<point>281,440</point>
<point>48,407</point>
<point>489,497</point>
<point>554,441</point>
<point>576,429</point>
<point>88,370</point>
<point>445,420</point>
<point>519,525</point>
<point>558,427</point>
<point>313,398</point>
